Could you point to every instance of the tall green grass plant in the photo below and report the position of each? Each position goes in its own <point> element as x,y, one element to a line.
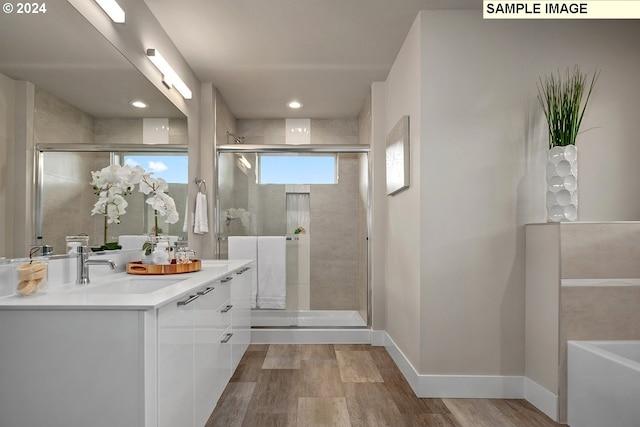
<point>564,100</point>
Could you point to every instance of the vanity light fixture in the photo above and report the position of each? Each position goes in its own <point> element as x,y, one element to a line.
<point>113,9</point>
<point>294,104</point>
<point>139,104</point>
<point>169,77</point>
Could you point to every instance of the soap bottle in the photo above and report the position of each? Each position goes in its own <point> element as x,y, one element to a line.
<point>160,256</point>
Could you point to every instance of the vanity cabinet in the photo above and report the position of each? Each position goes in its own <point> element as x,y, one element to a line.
<point>212,353</point>
<point>129,366</point>
<point>176,364</point>
<point>201,339</point>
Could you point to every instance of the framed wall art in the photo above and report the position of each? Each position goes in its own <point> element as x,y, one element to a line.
<point>398,157</point>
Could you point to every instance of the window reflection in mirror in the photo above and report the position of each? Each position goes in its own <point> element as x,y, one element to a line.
<point>67,197</point>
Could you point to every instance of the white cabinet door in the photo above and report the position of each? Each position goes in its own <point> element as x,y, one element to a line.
<point>241,313</point>
<point>223,367</point>
<point>209,326</point>
<point>176,363</point>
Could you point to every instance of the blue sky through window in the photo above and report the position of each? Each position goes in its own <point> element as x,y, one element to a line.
<point>297,169</point>
<point>171,168</point>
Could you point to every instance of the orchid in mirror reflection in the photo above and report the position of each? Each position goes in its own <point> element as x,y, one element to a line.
<point>161,202</point>
<point>112,183</point>
<point>235,213</point>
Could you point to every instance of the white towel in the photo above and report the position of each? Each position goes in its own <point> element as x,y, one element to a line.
<point>245,247</point>
<point>200,221</point>
<point>185,224</point>
<point>272,273</point>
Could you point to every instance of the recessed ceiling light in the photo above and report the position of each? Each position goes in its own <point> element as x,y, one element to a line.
<point>294,104</point>
<point>139,104</point>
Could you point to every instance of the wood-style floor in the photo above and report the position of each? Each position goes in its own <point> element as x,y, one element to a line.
<point>347,385</point>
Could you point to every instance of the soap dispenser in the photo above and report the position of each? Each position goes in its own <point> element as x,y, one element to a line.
<point>160,255</point>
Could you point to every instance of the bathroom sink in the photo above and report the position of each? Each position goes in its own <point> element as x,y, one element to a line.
<point>129,286</point>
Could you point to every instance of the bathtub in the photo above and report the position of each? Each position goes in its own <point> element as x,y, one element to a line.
<point>603,383</point>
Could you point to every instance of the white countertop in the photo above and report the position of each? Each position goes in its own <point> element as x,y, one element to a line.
<point>71,296</point>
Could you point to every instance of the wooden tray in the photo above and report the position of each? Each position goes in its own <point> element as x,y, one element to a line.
<point>137,267</point>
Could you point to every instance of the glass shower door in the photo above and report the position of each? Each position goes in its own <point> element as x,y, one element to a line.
<point>323,228</point>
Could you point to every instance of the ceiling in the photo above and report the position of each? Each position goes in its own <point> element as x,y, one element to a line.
<point>62,53</point>
<point>260,54</point>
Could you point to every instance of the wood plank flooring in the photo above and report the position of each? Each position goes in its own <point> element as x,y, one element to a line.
<point>347,386</point>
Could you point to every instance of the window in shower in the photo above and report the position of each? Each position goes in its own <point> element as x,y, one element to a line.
<point>297,169</point>
<point>172,168</point>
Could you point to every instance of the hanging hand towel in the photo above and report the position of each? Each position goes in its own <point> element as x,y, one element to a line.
<point>200,224</point>
<point>185,224</point>
<point>272,272</point>
<point>245,247</point>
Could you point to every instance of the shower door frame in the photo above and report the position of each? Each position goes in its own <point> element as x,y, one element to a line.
<point>305,149</point>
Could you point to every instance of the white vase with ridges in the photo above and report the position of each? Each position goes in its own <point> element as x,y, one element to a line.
<point>562,184</point>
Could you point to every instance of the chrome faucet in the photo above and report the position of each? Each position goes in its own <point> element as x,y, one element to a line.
<point>84,262</point>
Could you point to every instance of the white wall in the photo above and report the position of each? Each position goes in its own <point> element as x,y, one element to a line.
<point>403,311</point>
<point>7,137</point>
<point>378,209</point>
<point>478,135</point>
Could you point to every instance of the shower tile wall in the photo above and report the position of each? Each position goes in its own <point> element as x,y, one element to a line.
<point>129,131</point>
<point>67,175</point>
<point>334,240</point>
<point>262,131</point>
<point>57,122</point>
<point>225,120</point>
<point>334,131</point>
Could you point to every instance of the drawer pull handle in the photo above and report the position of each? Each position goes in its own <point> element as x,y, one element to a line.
<point>226,309</point>
<point>206,291</point>
<point>226,338</point>
<point>188,300</point>
<point>242,270</point>
<point>226,279</point>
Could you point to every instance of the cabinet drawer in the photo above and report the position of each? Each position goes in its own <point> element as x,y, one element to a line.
<point>214,297</point>
<point>223,314</point>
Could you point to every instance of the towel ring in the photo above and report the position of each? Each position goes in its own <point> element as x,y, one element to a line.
<point>201,184</point>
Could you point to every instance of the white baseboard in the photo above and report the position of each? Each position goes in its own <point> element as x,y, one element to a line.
<point>378,338</point>
<point>541,398</point>
<point>310,336</point>
<point>456,386</point>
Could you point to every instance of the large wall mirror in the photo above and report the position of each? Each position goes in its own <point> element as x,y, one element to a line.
<point>83,120</point>
<point>65,199</point>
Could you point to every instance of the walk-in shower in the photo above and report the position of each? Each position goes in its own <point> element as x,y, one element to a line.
<point>303,212</point>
